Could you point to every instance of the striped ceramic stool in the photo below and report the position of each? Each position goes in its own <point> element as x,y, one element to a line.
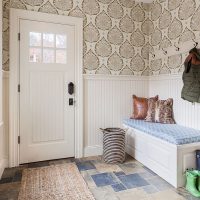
<point>113,145</point>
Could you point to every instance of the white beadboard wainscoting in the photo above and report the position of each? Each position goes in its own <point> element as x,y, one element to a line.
<point>170,86</point>
<point>107,101</point>
<point>4,125</point>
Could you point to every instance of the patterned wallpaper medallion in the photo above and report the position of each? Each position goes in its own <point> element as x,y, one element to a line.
<point>116,32</point>
<point>119,35</point>
<point>175,22</point>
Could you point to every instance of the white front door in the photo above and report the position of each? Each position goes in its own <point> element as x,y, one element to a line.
<point>47,66</point>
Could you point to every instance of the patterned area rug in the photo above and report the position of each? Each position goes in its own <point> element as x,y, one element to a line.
<point>57,182</point>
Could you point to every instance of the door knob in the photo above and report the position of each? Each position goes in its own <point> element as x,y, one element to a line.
<point>71,88</point>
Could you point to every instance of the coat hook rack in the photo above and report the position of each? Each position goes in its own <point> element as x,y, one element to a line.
<point>175,49</point>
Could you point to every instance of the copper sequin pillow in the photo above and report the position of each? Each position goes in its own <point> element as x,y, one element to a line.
<point>151,110</point>
<point>164,111</point>
<point>140,107</point>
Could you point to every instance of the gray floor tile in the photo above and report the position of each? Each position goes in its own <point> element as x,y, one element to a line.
<point>131,174</point>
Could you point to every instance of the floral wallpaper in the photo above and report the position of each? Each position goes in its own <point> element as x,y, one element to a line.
<point>116,32</point>
<point>172,22</point>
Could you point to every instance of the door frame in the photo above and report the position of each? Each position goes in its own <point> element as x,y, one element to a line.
<point>14,119</point>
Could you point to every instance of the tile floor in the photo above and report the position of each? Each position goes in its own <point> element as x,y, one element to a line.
<point>128,181</point>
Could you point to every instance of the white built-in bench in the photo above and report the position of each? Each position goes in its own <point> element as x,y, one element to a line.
<point>166,149</point>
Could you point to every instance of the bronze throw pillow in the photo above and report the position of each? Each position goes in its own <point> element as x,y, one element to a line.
<point>140,107</point>
<point>164,112</point>
<point>151,110</point>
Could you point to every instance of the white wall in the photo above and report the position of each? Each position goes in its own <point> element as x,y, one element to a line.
<point>4,128</point>
<point>185,113</point>
<point>3,143</point>
<point>6,113</point>
<point>1,115</point>
<point>1,112</point>
<point>107,101</point>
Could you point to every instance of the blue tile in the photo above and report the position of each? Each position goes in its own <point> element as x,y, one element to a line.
<point>118,187</point>
<point>83,166</point>
<point>104,179</point>
<point>133,181</point>
<point>6,180</point>
<point>18,176</point>
<point>119,173</point>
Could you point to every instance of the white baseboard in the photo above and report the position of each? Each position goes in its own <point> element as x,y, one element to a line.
<point>93,151</point>
<point>3,165</point>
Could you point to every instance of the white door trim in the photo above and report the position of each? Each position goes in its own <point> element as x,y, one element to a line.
<point>15,16</point>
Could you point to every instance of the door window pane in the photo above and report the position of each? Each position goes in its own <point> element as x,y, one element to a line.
<point>35,55</point>
<point>35,39</point>
<point>48,56</point>
<point>48,40</point>
<point>61,41</point>
<point>61,56</point>
<point>48,48</point>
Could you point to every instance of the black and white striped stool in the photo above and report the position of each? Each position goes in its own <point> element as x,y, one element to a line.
<point>113,145</point>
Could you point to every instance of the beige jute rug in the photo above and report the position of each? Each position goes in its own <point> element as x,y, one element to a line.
<point>56,182</point>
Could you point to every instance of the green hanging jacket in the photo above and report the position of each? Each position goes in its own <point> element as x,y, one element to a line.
<point>191,78</point>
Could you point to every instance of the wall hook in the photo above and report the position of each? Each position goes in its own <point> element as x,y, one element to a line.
<point>164,51</point>
<point>195,43</point>
<point>153,55</point>
<point>177,48</point>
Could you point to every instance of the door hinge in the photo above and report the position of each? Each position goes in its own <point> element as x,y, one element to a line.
<point>18,88</point>
<point>18,139</point>
<point>19,36</point>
